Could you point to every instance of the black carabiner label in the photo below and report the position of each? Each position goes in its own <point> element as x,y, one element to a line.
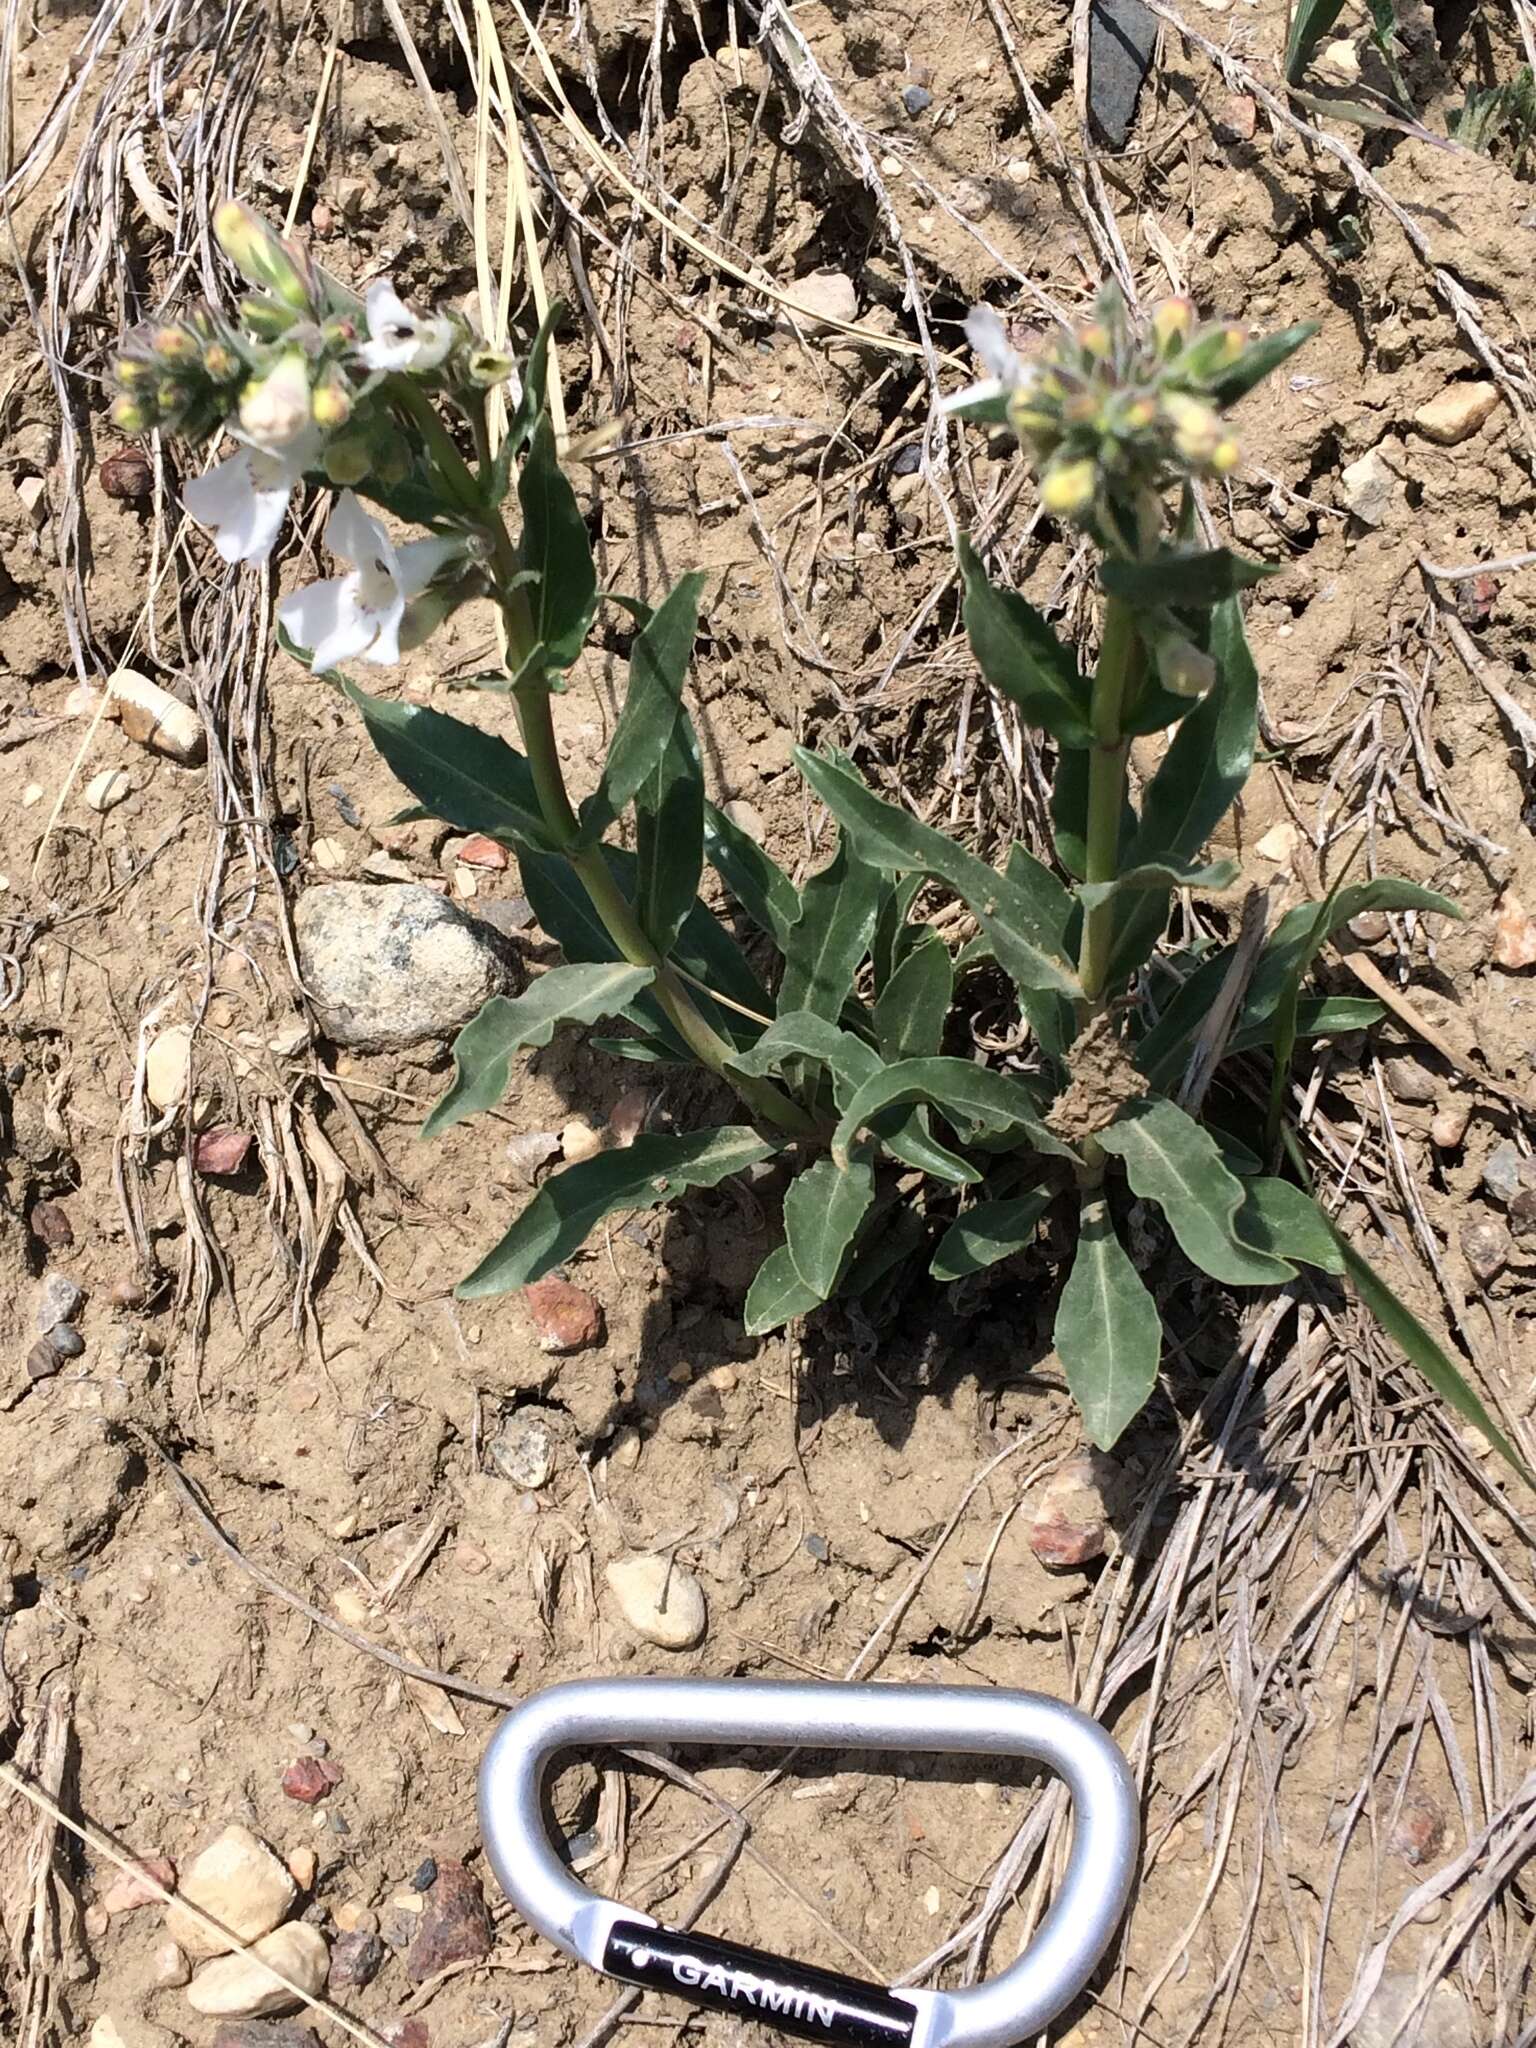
<point>818,2005</point>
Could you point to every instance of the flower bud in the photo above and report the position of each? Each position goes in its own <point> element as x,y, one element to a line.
<point>487,366</point>
<point>275,407</point>
<point>174,345</point>
<point>1217,349</point>
<point>391,458</point>
<point>131,415</point>
<point>1225,455</point>
<point>133,373</point>
<point>1183,668</point>
<point>266,319</point>
<point>260,254</point>
<point>331,404</point>
<point>1068,488</point>
<point>1172,324</point>
<point>1196,427</point>
<point>347,459</point>
<point>221,362</point>
<point>1094,340</point>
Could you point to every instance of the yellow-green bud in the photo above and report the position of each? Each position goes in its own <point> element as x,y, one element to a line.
<point>488,366</point>
<point>174,345</point>
<point>1225,455</point>
<point>266,319</point>
<point>260,254</point>
<point>331,404</point>
<point>221,362</point>
<point>1172,324</point>
<point>1184,669</point>
<point>391,459</point>
<point>128,414</point>
<point>275,407</point>
<point>133,373</point>
<point>347,459</point>
<point>1068,488</point>
<point>1196,427</point>
<point>1094,340</point>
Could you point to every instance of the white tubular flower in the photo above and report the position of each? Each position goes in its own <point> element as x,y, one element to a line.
<point>357,617</point>
<point>1006,370</point>
<point>275,408</point>
<point>244,498</point>
<point>399,339</point>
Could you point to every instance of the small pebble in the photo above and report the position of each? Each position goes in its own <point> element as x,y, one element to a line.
<point>167,1065</point>
<point>1071,1523</point>
<point>566,1318</point>
<point>659,1600</point>
<point>105,791</point>
<point>454,1926</point>
<point>237,1880</point>
<point>1522,1213</point>
<point>237,1987</point>
<point>1514,934</point>
<point>97,1921</point>
<point>1409,1081</point>
<point>353,1917</point>
<point>67,1342</point>
<point>523,1450</point>
<point>817,1547</point>
<point>1507,1171</point>
<point>60,1302</point>
<point>1418,1834</point>
<point>129,1889</point>
<point>424,1876</point>
<point>1449,1126</point>
<point>303,1864</point>
<point>356,1960</point>
<point>44,1360</point>
<point>51,1225</point>
<point>309,1780</point>
<point>127,476</point>
<point>579,1141</point>
<point>171,1968</point>
<point>301,1731</point>
<point>917,99</point>
<point>1486,1248</point>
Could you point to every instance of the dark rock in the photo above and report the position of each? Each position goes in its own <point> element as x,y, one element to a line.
<point>424,1876</point>
<point>264,2034</point>
<point>1486,1248</point>
<point>66,1341</point>
<point>127,476</point>
<point>50,1223</point>
<point>1122,34</point>
<point>44,1359</point>
<point>1507,1171</point>
<point>917,99</point>
<point>356,1959</point>
<point>454,1926</point>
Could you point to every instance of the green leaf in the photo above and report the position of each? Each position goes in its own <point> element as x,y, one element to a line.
<point>1258,361</point>
<point>889,1239</point>
<point>650,1052</point>
<point>1024,922</point>
<point>482,1052</point>
<point>961,1091</point>
<point>1169,1160</point>
<point>535,379</point>
<point>987,1232</point>
<point>894,936</point>
<point>669,838</point>
<point>1180,581</point>
<point>1302,932</point>
<point>837,921</point>
<point>911,1010</point>
<point>1221,874</point>
<point>822,1211</point>
<point>1316,1017</point>
<point>655,1168</point>
<point>1069,814</point>
<point>777,1295</point>
<point>1310,22</point>
<point>1204,769</point>
<point>555,545</point>
<point>758,883</point>
<point>1108,1334</point>
<point>1021,657</point>
<point>468,777</point>
<point>1422,1351</point>
<point>1281,1218</point>
<point>658,668</point>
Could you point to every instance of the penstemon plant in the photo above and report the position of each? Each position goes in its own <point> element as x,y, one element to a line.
<point>832,1031</point>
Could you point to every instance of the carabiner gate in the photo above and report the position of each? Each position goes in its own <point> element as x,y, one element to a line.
<point>816,2004</point>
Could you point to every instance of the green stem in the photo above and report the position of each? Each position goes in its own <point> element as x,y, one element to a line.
<point>1120,657</point>
<point>536,723</point>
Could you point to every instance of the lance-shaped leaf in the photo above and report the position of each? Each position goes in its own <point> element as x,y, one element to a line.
<point>669,838</point>
<point>1022,658</point>
<point>655,1168</point>
<point>1170,1160</point>
<point>1023,913</point>
<point>894,935</point>
<point>1259,360</point>
<point>1195,784</point>
<point>961,1091</point>
<point>482,1052</point>
<point>822,1211</point>
<point>837,921</point>
<point>888,1240</point>
<point>1182,581</point>
<point>1108,1336</point>
<point>987,1232</point>
<point>757,882</point>
<point>777,1295</point>
<point>530,403</point>
<point>1220,874</point>
<point>1316,1017</point>
<point>643,737</point>
<point>1423,1352</point>
<point>468,777</point>
<point>555,546</point>
<point>1283,1219</point>
<point>911,1009</point>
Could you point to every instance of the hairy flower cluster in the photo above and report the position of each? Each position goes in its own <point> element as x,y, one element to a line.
<point>1106,412</point>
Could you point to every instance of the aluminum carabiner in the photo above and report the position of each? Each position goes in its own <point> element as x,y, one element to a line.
<point>816,2004</point>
